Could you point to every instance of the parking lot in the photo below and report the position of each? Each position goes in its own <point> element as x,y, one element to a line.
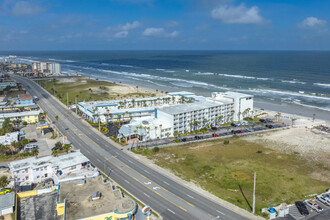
<point>313,215</point>
<point>226,131</point>
<point>44,142</point>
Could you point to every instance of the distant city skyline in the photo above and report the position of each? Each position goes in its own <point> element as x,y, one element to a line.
<point>166,24</point>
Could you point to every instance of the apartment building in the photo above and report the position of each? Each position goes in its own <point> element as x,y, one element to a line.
<point>28,116</point>
<point>46,68</point>
<point>198,113</point>
<point>35,170</point>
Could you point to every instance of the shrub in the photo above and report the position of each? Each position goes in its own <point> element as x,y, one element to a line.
<point>226,142</point>
<point>259,151</point>
<point>123,140</point>
<point>155,149</point>
<point>58,145</point>
<point>25,123</point>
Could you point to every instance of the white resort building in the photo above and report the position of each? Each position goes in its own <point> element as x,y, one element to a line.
<point>177,112</point>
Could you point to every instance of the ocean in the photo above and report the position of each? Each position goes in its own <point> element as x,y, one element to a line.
<point>295,81</point>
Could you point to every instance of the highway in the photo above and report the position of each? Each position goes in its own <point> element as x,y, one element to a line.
<point>166,196</point>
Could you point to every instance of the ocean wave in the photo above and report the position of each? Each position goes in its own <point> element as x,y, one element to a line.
<point>293,81</point>
<point>182,84</point>
<point>322,84</point>
<point>243,77</point>
<point>291,93</point>
<point>310,106</point>
<point>128,66</point>
<point>204,74</point>
<point>165,70</point>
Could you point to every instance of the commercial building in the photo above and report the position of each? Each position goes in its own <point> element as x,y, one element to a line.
<point>9,138</point>
<point>46,68</point>
<point>62,168</point>
<point>93,199</point>
<point>27,116</point>
<point>7,203</point>
<point>198,113</point>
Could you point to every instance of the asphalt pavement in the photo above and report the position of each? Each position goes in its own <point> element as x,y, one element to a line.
<point>167,197</point>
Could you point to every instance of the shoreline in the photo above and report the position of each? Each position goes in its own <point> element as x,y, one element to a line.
<point>293,110</point>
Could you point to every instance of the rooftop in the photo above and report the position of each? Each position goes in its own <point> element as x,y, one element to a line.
<point>7,200</point>
<point>61,161</point>
<point>189,107</point>
<point>78,199</point>
<point>23,97</point>
<point>19,114</point>
<point>237,94</point>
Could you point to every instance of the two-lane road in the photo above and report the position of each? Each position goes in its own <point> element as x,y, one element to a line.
<point>169,198</point>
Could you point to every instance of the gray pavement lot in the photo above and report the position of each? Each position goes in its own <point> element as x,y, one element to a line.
<point>42,207</point>
<point>166,196</point>
<point>313,215</point>
<point>44,142</point>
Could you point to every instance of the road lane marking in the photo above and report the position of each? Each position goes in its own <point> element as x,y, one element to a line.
<point>171,211</point>
<point>146,171</point>
<point>166,183</point>
<point>220,212</point>
<point>126,181</point>
<point>154,182</point>
<point>146,186</point>
<point>156,187</point>
<point>146,195</point>
<point>148,183</point>
<point>190,196</point>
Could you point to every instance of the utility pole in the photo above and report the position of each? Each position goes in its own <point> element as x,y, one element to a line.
<point>254,192</point>
<point>76,104</point>
<point>99,125</point>
<point>67,99</point>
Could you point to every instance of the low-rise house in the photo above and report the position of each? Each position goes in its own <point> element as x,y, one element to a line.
<point>62,168</point>
<point>9,138</point>
<point>3,100</point>
<point>25,99</point>
<point>7,203</point>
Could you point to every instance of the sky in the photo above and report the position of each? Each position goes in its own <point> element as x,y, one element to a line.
<point>165,25</point>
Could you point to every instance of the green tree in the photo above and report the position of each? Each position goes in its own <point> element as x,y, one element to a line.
<point>3,181</point>
<point>56,117</point>
<point>58,145</point>
<point>67,148</point>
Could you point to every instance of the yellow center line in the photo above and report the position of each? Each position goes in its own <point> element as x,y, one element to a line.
<point>137,179</point>
<point>155,183</point>
<point>146,186</point>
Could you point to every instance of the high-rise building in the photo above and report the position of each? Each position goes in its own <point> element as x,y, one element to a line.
<point>46,68</point>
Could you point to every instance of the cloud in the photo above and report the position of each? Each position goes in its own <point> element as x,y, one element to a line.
<point>24,8</point>
<point>159,32</point>
<point>129,26</point>
<point>240,14</point>
<point>121,34</point>
<point>312,22</point>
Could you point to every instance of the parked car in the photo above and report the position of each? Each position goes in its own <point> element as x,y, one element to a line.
<point>214,128</point>
<point>236,132</point>
<point>234,124</point>
<point>323,200</point>
<point>269,120</point>
<point>54,148</point>
<point>5,191</point>
<point>32,140</point>
<point>215,135</point>
<point>198,137</point>
<point>184,139</point>
<point>244,123</point>
<point>30,147</point>
<point>302,208</point>
<point>326,196</point>
<point>270,126</point>
<point>262,120</point>
<point>313,205</point>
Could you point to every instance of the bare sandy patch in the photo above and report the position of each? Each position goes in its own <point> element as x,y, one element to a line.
<point>301,140</point>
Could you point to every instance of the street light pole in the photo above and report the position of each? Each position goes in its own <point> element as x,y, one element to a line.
<point>254,192</point>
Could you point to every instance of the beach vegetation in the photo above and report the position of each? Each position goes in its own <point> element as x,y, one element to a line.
<point>223,170</point>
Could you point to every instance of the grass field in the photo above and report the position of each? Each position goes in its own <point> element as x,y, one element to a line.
<point>88,90</point>
<point>222,169</point>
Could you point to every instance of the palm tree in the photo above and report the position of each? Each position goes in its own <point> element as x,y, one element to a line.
<point>292,121</point>
<point>176,134</point>
<point>196,123</point>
